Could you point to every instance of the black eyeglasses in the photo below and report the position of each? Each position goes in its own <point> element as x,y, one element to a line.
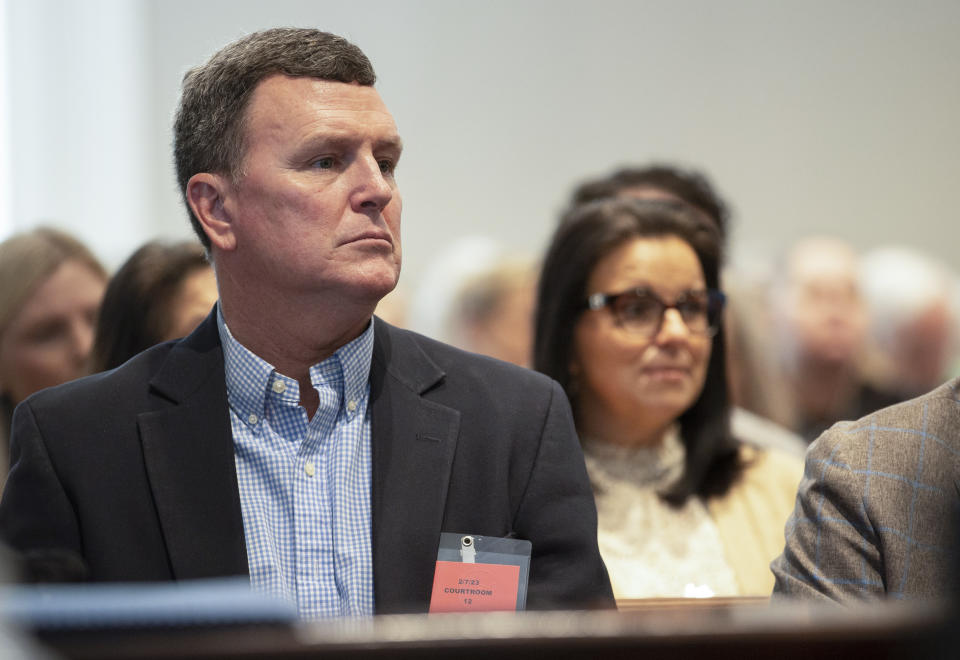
<point>641,311</point>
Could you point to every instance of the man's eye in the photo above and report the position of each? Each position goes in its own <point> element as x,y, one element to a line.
<point>324,163</point>
<point>387,166</point>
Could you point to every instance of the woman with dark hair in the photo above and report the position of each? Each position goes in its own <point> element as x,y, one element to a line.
<point>161,292</point>
<point>629,321</point>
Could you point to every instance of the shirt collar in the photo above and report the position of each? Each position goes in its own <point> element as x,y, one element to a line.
<point>248,376</point>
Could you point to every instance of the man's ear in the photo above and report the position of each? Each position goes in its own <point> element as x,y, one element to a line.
<point>206,194</point>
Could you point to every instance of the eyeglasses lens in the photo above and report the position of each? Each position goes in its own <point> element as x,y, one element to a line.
<point>642,313</point>
<point>638,313</point>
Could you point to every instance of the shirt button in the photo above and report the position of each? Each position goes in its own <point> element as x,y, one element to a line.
<point>279,387</point>
<point>309,469</point>
<point>253,419</point>
<point>351,405</point>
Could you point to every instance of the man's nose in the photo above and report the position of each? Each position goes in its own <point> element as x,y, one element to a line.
<point>373,190</point>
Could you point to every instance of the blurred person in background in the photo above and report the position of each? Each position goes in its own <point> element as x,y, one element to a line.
<point>912,301</point>
<point>431,300</point>
<point>629,321</point>
<point>162,292</point>
<point>748,363</point>
<point>819,323</point>
<point>493,312</point>
<point>659,181</point>
<point>51,290</point>
<point>480,298</point>
<point>753,370</point>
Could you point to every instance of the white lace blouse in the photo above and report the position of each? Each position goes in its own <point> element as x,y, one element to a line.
<point>652,549</point>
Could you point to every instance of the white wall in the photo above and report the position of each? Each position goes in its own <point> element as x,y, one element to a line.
<point>78,101</point>
<point>6,187</point>
<point>810,115</point>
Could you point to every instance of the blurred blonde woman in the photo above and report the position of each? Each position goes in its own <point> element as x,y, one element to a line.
<point>51,290</point>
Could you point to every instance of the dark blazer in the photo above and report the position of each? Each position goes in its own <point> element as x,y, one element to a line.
<point>133,470</point>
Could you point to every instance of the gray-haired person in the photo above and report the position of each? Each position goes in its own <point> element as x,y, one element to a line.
<point>293,437</point>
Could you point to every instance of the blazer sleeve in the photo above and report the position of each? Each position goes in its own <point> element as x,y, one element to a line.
<point>558,515</point>
<point>36,515</point>
<point>832,550</point>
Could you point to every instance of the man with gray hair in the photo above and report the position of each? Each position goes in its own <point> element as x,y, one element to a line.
<point>294,437</point>
<point>914,305</point>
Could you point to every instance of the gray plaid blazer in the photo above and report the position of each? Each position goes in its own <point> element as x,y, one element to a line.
<point>877,508</point>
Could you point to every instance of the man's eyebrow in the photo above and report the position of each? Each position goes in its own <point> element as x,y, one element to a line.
<point>346,139</point>
<point>395,143</point>
<point>326,141</point>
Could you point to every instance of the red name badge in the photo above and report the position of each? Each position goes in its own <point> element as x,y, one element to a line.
<point>464,587</point>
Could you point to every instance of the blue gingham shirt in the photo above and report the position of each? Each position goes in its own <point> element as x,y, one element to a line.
<point>305,484</point>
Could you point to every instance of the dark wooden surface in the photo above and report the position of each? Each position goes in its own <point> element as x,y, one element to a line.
<point>709,628</point>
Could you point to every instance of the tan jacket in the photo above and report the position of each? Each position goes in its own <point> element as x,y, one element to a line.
<point>752,514</point>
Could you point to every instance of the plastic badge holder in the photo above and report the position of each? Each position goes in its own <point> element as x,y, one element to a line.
<point>480,574</point>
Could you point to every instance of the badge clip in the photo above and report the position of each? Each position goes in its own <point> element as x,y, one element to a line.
<point>468,550</point>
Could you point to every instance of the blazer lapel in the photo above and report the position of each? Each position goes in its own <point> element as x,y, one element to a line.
<point>188,450</point>
<point>414,441</point>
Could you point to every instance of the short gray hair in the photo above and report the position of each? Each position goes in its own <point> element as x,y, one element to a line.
<point>209,133</point>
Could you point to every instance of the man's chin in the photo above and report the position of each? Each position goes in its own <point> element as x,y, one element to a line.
<point>373,285</point>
